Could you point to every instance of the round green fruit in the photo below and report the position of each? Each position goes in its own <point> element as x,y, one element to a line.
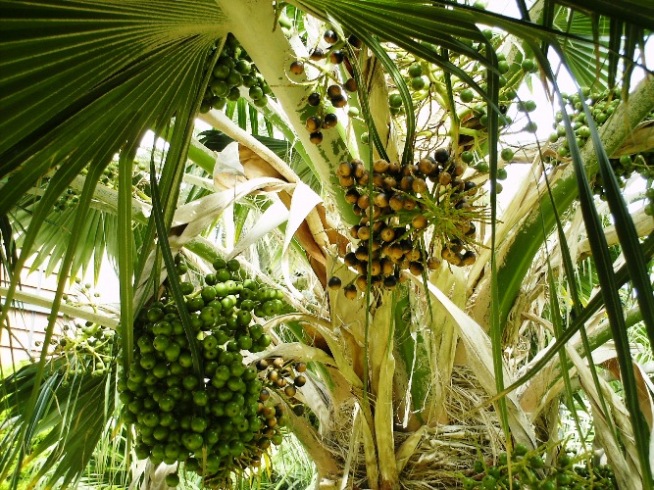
<point>415,70</point>
<point>507,154</point>
<point>466,95</point>
<point>395,100</point>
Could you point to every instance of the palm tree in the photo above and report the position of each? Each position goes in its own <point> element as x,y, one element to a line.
<point>457,338</point>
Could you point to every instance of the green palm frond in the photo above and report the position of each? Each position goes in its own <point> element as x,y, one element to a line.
<point>75,98</point>
<point>65,427</point>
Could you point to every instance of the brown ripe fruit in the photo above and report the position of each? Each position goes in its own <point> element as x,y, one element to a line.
<point>313,123</point>
<point>271,422</point>
<point>280,382</point>
<point>416,268</point>
<point>444,178</point>
<point>334,91</point>
<point>330,36</point>
<point>395,252</point>
<point>358,168</point>
<point>350,85</point>
<point>364,201</point>
<point>317,54</point>
<point>378,179</point>
<point>362,267</point>
<point>300,381</point>
<point>346,181</point>
<point>364,233</point>
<point>361,252</point>
<point>334,283</point>
<point>463,204</point>
<point>300,367</point>
<point>314,99</point>
<point>330,121</point>
<point>336,57</point>
<point>427,166</point>
<point>459,169</point>
<point>433,263</point>
<point>264,394</point>
<point>470,187</point>
<point>396,202</point>
<point>413,255</point>
<point>387,267</point>
<point>375,267</point>
<point>441,155</point>
<point>387,234</point>
<point>468,258</point>
<point>344,169</point>
<point>419,222</point>
<point>339,101</point>
<point>350,259</point>
<point>390,182</point>
<point>290,391</point>
<point>377,226</point>
<point>362,282</point>
<point>419,186</point>
<point>372,212</point>
<point>381,166</point>
<point>352,196</point>
<point>394,168</point>
<point>262,364</point>
<point>409,204</point>
<point>268,412</point>
<point>278,362</point>
<point>297,67</point>
<point>350,291</point>
<point>381,200</point>
<point>315,137</point>
<point>273,375</point>
<point>455,245</point>
<point>354,231</point>
<point>390,282</point>
<point>364,179</point>
<point>406,183</point>
<point>472,229</point>
<point>357,210</point>
<point>451,256</point>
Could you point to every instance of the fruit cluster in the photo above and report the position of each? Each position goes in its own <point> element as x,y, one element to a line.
<point>601,105</point>
<point>529,471</point>
<point>140,185</point>
<point>233,71</point>
<point>283,376</point>
<point>90,341</point>
<point>331,95</point>
<point>398,205</point>
<point>222,419</point>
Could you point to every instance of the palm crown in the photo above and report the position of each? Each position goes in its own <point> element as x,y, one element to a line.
<point>328,255</point>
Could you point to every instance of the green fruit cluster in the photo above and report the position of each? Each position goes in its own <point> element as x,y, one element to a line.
<point>406,201</point>
<point>529,471</point>
<point>90,347</point>
<point>601,105</point>
<point>109,178</point>
<point>217,421</point>
<point>234,71</point>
